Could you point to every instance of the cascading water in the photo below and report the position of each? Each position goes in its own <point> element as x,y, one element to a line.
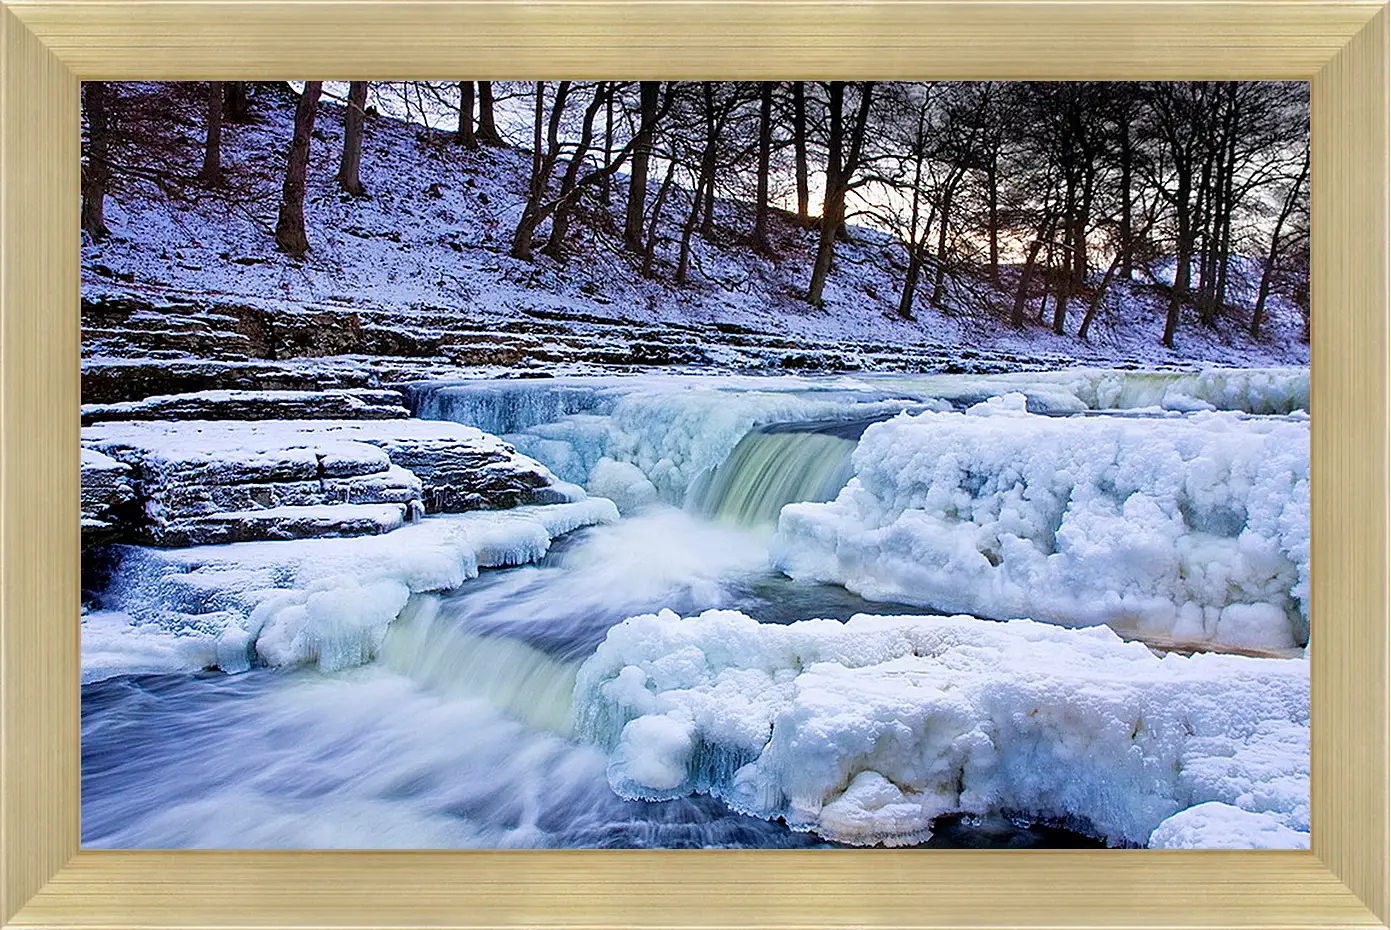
<point>771,468</point>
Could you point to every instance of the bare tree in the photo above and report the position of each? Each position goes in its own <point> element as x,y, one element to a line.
<point>1292,199</point>
<point>466,135</point>
<point>799,148</point>
<point>212,146</point>
<point>96,172</point>
<point>289,228</point>
<point>841,163</point>
<point>765,152</point>
<point>648,93</point>
<point>349,167</point>
<point>487,127</point>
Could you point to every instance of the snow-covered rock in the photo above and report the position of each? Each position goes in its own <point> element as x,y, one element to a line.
<point>866,731</point>
<point>106,495</point>
<point>326,602</point>
<point>1193,528</point>
<point>344,404</point>
<point>206,481</point>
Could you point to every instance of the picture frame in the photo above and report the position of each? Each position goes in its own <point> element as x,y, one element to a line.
<point>48,46</point>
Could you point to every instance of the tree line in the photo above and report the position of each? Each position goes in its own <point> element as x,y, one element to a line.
<point>1032,198</point>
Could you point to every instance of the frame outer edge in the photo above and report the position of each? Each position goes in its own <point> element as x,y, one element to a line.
<point>38,480</point>
<point>1349,443</point>
<point>39,166</point>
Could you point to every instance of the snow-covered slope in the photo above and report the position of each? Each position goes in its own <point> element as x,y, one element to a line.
<point>422,262</point>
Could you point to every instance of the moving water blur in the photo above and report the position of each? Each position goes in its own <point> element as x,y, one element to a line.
<point>779,465</point>
<point>365,759</point>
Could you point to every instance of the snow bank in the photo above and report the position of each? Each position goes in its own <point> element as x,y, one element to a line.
<point>1243,390</point>
<point>1214,825</point>
<point>1193,529</point>
<point>865,731</point>
<point>326,602</point>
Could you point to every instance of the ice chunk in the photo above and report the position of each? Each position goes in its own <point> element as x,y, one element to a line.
<point>1189,528</point>
<point>866,731</point>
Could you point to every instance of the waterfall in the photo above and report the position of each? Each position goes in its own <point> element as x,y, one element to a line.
<point>778,465</point>
<point>502,406</point>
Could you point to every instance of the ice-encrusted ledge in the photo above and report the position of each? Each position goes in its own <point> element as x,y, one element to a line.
<point>325,602</point>
<point>866,731</point>
<point>1190,529</point>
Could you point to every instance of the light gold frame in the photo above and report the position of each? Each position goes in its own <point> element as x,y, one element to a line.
<point>48,45</point>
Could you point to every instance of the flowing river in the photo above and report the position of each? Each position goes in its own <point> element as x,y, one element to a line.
<point>461,732</point>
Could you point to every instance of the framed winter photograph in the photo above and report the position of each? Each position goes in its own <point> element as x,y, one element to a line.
<point>808,474</point>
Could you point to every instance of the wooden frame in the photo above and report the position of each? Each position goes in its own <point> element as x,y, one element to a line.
<point>49,45</point>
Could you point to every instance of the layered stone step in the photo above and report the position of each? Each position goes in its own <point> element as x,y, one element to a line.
<point>341,404</point>
<point>208,481</point>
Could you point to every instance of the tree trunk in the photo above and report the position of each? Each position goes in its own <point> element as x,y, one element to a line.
<point>683,263</point>
<point>831,202</point>
<point>96,174</point>
<point>939,282</point>
<point>799,148</point>
<point>1127,233</point>
<point>1182,270</point>
<point>1268,272</point>
<point>236,102</point>
<point>487,133</point>
<point>707,221</point>
<point>540,173</point>
<point>1100,294</point>
<point>466,136</point>
<point>349,168</point>
<point>765,152</point>
<point>212,148</point>
<point>1026,274</point>
<point>705,186</point>
<point>637,173</point>
<point>289,229</point>
<point>565,202</point>
<point>654,225</point>
<point>992,193</point>
<point>910,281</point>
<point>606,185</point>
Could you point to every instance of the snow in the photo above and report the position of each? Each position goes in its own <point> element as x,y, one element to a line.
<point>1193,529</point>
<point>244,440</point>
<point>1214,825</point>
<point>863,732</point>
<point>324,602</point>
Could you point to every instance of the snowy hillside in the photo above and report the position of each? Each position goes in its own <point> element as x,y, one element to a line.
<point>420,267</point>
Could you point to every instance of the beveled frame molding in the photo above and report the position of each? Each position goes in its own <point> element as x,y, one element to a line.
<point>49,45</point>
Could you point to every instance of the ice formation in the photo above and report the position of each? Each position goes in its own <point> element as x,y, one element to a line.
<point>865,731</point>
<point>326,602</point>
<point>1193,529</point>
<point>677,429</point>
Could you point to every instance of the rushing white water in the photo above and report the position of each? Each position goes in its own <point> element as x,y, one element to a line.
<point>771,468</point>
<point>459,729</point>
